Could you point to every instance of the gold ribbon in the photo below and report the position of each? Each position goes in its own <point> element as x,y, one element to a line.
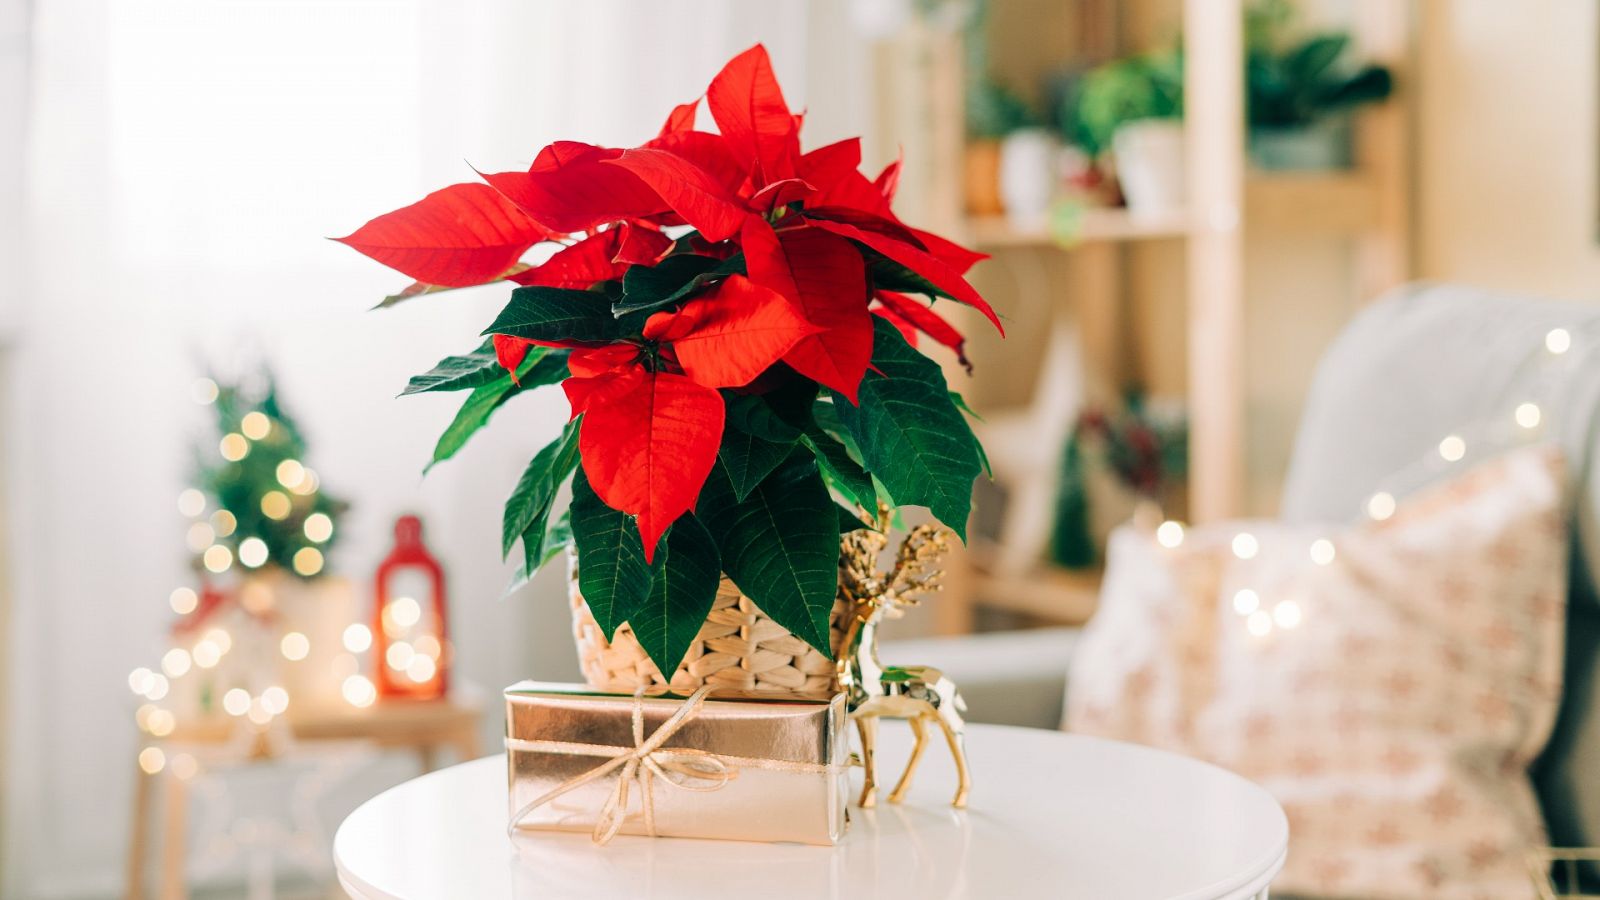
<point>642,763</point>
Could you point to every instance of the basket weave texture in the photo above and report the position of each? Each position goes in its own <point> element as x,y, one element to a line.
<point>738,648</point>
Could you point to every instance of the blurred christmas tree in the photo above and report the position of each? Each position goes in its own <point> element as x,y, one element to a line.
<point>266,507</point>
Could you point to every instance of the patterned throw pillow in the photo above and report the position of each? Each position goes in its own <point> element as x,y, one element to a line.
<point>1388,682</point>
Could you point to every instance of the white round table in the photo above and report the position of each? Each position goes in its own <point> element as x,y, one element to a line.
<point>1051,815</point>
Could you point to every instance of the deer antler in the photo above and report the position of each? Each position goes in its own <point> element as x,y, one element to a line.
<point>916,570</point>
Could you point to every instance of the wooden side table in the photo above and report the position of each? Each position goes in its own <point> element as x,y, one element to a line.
<point>1051,815</point>
<point>425,727</point>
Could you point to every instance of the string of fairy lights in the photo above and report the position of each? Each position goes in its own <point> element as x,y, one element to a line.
<point>1521,422</point>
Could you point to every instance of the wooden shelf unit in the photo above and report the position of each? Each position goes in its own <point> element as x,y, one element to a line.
<point>1367,205</point>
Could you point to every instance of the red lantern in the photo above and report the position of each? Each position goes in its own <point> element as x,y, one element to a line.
<point>411,654</point>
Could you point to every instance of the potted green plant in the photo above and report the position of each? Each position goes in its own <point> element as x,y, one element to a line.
<point>1003,139</point>
<point>1134,107</point>
<point>1299,92</point>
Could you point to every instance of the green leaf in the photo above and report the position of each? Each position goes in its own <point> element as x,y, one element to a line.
<point>842,473</point>
<point>748,459</point>
<point>753,415</point>
<point>556,314</point>
<point>687,571</point>
<point>780,544</point>
<point>961,404</point>
<point>911,435</point>
<point>536,489</point>
<point>458,373</point>
<point>540,367</point>
<point>612,573</point>
<point>542,542</point>
<point>671,280</point>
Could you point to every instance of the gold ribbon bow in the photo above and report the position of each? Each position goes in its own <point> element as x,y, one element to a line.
<point>645,762</point>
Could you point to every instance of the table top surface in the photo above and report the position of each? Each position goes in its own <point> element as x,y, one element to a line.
<point>1051,815</point>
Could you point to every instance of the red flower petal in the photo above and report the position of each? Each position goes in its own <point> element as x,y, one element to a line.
<point>831,163</point>
<point>917,260</point>
<point>509,352</point>
<point>824,276</point>
<point>681,118</point>
<point>949,252</point>
<point>647,443</point>
<point>913,313</point>
<point>687,189</point>
<point>592,361</point>
<point>906,329</point>
<point>888,181</point>
<point>641,245</point>
<point>580,265</point>
<point>462,235</point>
<point>709,153</point>
<point>730,336</point>
<point>748,105</point>
<point>569,188</point>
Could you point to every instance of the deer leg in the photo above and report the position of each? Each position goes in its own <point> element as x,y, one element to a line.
<point>919,730</point>
<point>959,753</point>
<point>868,726</point>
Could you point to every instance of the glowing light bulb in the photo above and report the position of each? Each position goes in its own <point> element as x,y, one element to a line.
<point>203,391</point>
<point>233,446</point>
<point>275,505</point>
<point>176,662</point>
<point>185,766</point>
<point>318,527</point>
<point>308,561</point>
<point>344,665</point>
<point>223,522</point>
<point>191,502</point>
<point>358,691</point>
<point>218,558</point>
<point>1322,552</point>
<point>428,646</point>
<point>294,646</point>
<point>255,425</point>
<point>199,537</point>
<point>1528,415</point>
<point>221,638</point>
<point>252,551</point>
<point>207,655</point>
<point>290,473</point>
<point>1452,448</point>
<point>1380,506</point>
<point>276,700</point>
<point>140,679</point>
<point>308,485</point>
<point>183,601</point>
<point>421,668</point>
<point>142,715</point>
<point>1558,340</point>
<point>152,760</point>
<point>1245,545</point>
<point>1169,534</point>
<point>406,611</point>
<point>1286,614</point>
<point>158,687</point>
<point>236,702</point>
<point>398,654</point>
<point>357,638</point>
<point>1246,602</point>
<point>1259,623</point>
<point>161,722</point>
<point>258,713</point>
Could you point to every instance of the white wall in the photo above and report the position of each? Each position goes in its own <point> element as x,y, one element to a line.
<point>1507,159</point>
<point>186,159</point>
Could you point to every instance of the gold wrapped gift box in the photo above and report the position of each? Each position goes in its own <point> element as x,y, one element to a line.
<point>730,766</point>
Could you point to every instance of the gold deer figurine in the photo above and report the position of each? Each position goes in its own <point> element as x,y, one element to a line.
<point>918,694</point>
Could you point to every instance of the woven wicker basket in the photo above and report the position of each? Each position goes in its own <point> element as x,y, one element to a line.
<point>738,648</point>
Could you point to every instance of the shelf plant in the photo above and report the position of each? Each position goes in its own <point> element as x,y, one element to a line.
<point>735,324</point>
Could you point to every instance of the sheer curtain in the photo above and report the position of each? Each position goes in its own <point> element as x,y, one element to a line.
<point>185,158</point>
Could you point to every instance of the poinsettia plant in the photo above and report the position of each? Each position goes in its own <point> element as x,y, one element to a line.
<point>734,323</point>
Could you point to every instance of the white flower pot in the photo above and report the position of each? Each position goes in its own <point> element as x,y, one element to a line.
<point>1027,175</point>
<point>1150,166</point>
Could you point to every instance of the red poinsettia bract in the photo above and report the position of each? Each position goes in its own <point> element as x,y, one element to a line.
<point>792,254</point>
